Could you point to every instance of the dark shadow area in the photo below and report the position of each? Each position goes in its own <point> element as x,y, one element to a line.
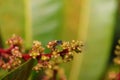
<point>116,34</point>
<point>1,45</point>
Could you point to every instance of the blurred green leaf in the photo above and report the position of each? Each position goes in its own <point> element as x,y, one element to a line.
<point>98,44</point>
<point>12,18</point>
<point>46,19</point>
<point>20,73</point>
<point>2,73</point>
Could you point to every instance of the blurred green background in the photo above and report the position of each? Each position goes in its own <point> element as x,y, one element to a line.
<point>95,22</point>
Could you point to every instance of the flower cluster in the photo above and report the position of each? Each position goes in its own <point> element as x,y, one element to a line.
<point>115,75</point>
<point>117,52</point>
<point>37,49</point>
<point>60,51</point>
<point>15,41</point>
<point>11,57</point>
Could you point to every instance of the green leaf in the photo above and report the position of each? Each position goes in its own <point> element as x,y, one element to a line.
<point>46,19</point>
<point>2,73</point>
<point>98,44</point>
<point>16,19</point>
<point>20,73</point>
<point>12,18</point>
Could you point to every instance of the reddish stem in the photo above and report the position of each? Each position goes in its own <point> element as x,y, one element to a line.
<point>7,51</point>
<point>26,57</point>
<point>48,55</point>
<point>118,76</point>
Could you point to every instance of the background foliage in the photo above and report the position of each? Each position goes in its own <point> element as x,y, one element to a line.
<point>95,22</point>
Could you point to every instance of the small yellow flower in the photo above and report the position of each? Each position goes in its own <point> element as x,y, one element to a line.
<point>34,54</point>
<point>44,58</point>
